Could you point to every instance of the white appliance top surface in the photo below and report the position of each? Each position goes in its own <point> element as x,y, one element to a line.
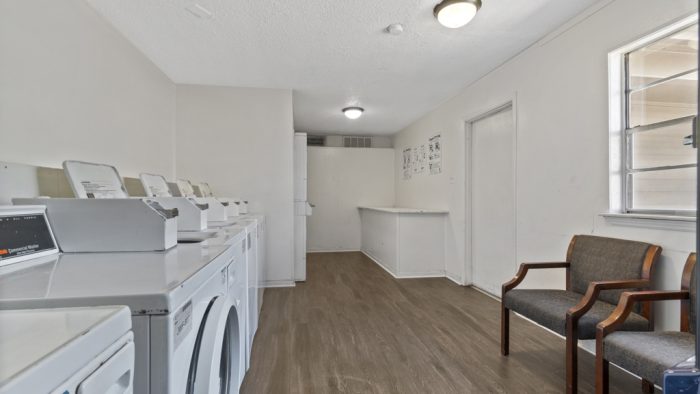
<point>28,336</point>
<point>248,223</point>
<point>229,235</point>
<point>404,210</point>
<point>255,216</point>
<point>148,282</point>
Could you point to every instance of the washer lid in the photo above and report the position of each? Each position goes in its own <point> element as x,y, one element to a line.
<point>52,344</point>
<point>147,282</point>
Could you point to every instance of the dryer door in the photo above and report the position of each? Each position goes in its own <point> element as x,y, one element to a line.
<point>216,350</point>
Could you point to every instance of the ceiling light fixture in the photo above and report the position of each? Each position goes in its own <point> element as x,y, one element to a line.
<point>353,112</point>
<point>456,13</point>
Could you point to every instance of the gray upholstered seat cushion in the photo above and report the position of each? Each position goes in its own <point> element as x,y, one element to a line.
<point>649,354</point>
<point>549,307</point>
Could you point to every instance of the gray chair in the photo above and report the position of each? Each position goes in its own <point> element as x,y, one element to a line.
<point>647,354</point>
<point>598,269</point>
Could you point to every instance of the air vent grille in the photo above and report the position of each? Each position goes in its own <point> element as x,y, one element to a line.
<point>316,140</point>
<point>357,142</point>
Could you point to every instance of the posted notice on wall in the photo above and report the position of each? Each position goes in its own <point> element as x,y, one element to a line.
<point>407,163</point>
<point>435,155</point>
<point>420,159</point>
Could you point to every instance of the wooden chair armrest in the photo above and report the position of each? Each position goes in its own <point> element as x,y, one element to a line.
<point>594,289</point>
<point>626,304</point>
<point>522,271</point>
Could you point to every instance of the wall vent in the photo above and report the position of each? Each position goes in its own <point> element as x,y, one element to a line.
<point>316,140</point>
<point>357,142</point>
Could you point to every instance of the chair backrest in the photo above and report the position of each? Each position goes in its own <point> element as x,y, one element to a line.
<point>599,258</point>
<point>688,283</point>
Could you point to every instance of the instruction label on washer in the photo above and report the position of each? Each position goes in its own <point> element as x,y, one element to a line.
<point>101,189</point>
<point>182,324</point>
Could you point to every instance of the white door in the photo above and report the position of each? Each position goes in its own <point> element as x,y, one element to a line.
<point>493,199</point>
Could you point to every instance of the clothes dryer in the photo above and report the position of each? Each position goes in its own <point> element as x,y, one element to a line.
<point>180,305</point>
<point>73,350</point>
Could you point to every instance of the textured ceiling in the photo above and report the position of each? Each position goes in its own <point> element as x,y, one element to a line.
<point>334,53</point>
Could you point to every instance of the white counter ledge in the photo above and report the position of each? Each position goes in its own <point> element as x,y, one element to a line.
<point>404,210</point>
<point>406,242</point>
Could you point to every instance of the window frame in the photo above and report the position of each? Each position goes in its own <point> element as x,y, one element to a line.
<point>621,134</point>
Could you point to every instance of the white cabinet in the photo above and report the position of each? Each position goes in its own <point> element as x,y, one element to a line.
<point>408,243</point>
<point>301,206</point>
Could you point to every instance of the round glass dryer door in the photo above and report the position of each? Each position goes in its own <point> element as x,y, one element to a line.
<point>216,350</point>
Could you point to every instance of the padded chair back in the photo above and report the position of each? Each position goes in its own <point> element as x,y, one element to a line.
<point>599,258</point>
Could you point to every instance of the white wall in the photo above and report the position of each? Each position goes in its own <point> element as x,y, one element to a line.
<point>241,141</point>
<point>71,87</point>
<point>561,84</point>
<point>340,180</point>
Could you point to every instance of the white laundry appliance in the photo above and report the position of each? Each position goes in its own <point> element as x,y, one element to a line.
<point>302,207</point>
<point>204,190</point>
<point>254,267</point>
<point>252,283</point>
<point>103,211</point>
<point>72,350</point>
<point>179,299</point>
<point>253,225</point>
<point>261,231</point>
<point>248,274</point>
<point>222,210</point>
<point>193,216</point>
<point>238,295</point>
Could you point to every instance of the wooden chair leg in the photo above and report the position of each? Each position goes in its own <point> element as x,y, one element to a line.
<point>571,356</point>
<point>647,387</point>
<point>602,375</point>
<point>602,367</point>
<point>505,330</point>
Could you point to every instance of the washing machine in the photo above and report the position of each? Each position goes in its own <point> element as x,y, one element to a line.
<point>236,236</point>
<point>237,275</point>
<point>73,350</point>
<point>252,283</point>
<point>261,236</point>
<point>181,310</point>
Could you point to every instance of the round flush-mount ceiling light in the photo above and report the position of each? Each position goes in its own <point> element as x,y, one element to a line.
<point>456,13</point>
<point>353,112</point>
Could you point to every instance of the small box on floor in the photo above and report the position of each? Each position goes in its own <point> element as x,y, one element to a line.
<point>683,378</point>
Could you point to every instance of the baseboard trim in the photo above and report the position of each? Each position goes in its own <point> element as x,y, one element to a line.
<point>379,264</point>
<point>454,278</point>
<point>486,293</point>
<point>413,275</point>
<point>278,283</point>
<point>332,251</point>
<point>419,275</point>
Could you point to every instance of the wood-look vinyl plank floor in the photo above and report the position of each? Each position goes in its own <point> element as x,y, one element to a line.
<point>352,328</point>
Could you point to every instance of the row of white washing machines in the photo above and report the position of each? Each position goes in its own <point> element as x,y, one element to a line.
<point>107,293</point>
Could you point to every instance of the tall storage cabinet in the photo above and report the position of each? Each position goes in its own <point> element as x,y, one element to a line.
<point>302,207</point>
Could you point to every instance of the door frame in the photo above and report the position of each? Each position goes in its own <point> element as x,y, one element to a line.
<point>510,102</point>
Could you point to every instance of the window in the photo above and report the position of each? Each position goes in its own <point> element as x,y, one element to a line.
<point>659,107</point>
